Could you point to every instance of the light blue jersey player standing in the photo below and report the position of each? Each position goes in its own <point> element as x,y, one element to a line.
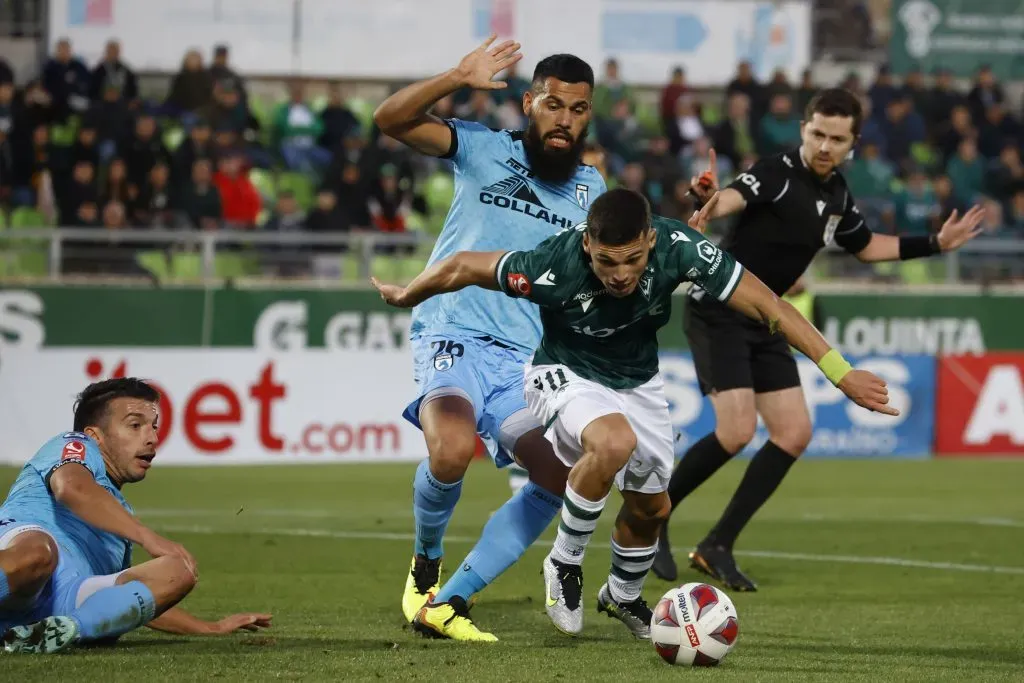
<point>513,189</point>
<point>66,535</point>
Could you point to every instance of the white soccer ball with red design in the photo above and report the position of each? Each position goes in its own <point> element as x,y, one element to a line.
<point>694,625</point>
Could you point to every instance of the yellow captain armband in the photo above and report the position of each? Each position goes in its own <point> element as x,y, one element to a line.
<point>834,366</point>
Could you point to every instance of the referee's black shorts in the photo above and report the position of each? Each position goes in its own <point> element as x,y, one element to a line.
<point>731,351</point>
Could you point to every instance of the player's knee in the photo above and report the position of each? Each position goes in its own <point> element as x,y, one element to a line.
<point>180,577</point>
<point>737,432</point>
<point>793,437</point>
<point>38,560</point>
<point>647,513</point>
<point>451,451</point>
<point>614,448</point>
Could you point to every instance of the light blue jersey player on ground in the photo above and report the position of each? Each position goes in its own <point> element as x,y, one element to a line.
<point>66,535</point>
<point>513,189</point>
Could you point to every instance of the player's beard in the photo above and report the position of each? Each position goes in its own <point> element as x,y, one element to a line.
<point>553,166</point>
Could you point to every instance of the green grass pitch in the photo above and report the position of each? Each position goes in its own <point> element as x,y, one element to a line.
<point>870,570</point>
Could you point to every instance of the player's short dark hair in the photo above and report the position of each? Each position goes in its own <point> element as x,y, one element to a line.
<point>618,216</point>
<point>836,102</point>
<point>91,407</point>
<point>564,67</point>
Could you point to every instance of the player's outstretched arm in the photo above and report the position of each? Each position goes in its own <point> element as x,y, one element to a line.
<point>74,486</point>
<point>179,622</point>
<point>463,269</point>
<point>404,115</point>
<point>955,232</point>
<point>755,300</point>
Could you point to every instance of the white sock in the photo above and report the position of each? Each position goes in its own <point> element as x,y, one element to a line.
<point>579,519</point>
<point>629,569</point>
<point>517,478</point>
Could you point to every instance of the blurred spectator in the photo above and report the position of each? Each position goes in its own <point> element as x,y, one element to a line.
<point>688,126</point>
<point>916,206</point>
<point>997,127</point>
<point>675,89</point>
<point>387,204</point>
<point>226,111</point>
<point>338,121</point>
<point>143,150</point>
<point>116,185</point>
<point>6,169</point>
<point>883,91</point>
<point>984,94</point>
<point>903,127</point>
<point>33,108</point>
<point>662,168</point>
<point>967,171</point>
<point>942,98</point>
<point>326,215</point>
<point>225,76</point>
<point>734,138</point>
<point>6,72</point>
<point>611,90</point>
<point>516,87</point>
<point>780,128</point>
<point>480,108</point>
<point>870,175</point>
<point>87,216</point>
<point>634,178</point>
<point>239,198</point>
<point>201,200</point>
<point>853,83</point>
<point>946,198</point>
<point>287,216</point>
<point>677,203</point>
<point>1006,174</point>
<point>6,107</point>
<point>192,87</point>
<point>67,80</point>
<point>296,129</point>
<point>198,145</point>
<point>353,198</point>
<point>154,206</point>
<point>914,87</point>
<point>779,85</point>
<point>594,155</point>
<point>1014,217</point>
<point>86,147</point>
<point>697,159</point>
<point>510,116</point>
<point>620,135</point>
<point>111,118</point>
<point>115,216</point>
<point>871,132</point>
<point>955,131</point>
<point>113,74</point>
<point>31,162</point>
<point>745,83</point>
<point>806,92</point>
<point>82,190</point>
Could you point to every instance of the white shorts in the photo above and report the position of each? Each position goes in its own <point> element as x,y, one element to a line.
<point>566,403</point>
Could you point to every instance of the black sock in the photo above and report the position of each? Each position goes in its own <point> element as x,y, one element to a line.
<point>764,474</point>
<point>698,463</point>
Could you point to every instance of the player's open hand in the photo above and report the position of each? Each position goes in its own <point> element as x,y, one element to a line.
<point>957,230</point>
<point>478,68</point>
<point>699,220</point>
<point>868,391</point>
<point>706,184</point>
<point>250,621</point>
<point>393,295</point>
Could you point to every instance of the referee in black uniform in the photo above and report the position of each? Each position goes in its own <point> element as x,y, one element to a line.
<point>792,206</point>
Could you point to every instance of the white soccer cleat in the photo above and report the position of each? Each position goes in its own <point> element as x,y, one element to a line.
<point>50,635</point>
<point>563,592</point>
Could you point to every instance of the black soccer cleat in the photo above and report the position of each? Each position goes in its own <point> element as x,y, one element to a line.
<point>718,563</point>
<point>664,566</point>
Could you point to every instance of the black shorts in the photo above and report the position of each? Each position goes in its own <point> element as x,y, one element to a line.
<point>731,351</point>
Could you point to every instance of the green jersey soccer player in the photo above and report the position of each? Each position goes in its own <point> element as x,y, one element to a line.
<point>604,289</point>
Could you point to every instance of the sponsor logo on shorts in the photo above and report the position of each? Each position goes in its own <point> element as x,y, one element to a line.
<point>519,284</point>
<point>73,450</point>
<point>691,633</point>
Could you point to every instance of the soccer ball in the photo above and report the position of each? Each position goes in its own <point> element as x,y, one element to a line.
<point>694,625</point>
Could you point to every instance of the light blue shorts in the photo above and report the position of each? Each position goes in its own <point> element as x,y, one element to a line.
<point>488,374</point>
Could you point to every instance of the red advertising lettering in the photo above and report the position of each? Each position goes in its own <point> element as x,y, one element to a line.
<point>196,416</point>
<point>980,405</point>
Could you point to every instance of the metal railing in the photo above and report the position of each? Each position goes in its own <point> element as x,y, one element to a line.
<point>54,254</point>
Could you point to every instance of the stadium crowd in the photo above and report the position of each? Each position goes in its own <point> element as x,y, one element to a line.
<point>81,146</point>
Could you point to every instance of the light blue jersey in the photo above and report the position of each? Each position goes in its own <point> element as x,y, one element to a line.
<point>30,502</point>
<point>498,205</point>
<point>474,343</point>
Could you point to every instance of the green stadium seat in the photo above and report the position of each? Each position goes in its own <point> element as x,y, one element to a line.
<point>924,155</point>
<point>63,135</point>
<point>186,266</point>
<point>350,268</point>
<point>263,112</point>
<point>363,110</point>
<point>26,217</point>
<point>32,263</point>
<point>408,267</point>
<point>155,261</point>
<point>711,113</point>
<point>235,265</point>
<point>916,272</point>
<point>300,185</point>
<point>439,192</point>
<point>265,184</point>
<point>318,103</point>
<point>173,137</point>
<point>648,117</point>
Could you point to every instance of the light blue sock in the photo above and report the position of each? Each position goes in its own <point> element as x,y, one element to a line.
<point>5,588</point>
<point>113,611</point>
<point>506,536</point>
<point>432,505</point>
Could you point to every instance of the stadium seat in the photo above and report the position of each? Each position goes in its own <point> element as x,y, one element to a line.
<point>235,265</point>
<point>350,267</point>
<point>916,272</point>
<point>439,192</point>
<point>155,261</point>
<point>173,137</point>
<point>924,155</point>
<point>263,112</point>
<point>649,118</point>
<point>711,113</point>
<point>25,217</point>
<point>319,103</point>
<point>186,266</point>
<point>363,109</point>
<point>300,185</point>
<point>265,184</point>
<point>63,135</point>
